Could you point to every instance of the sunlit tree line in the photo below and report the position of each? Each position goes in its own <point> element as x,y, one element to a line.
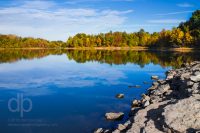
<point>13,41</point>
<point>185,35</point>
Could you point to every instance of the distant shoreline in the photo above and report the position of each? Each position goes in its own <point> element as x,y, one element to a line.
<point>183,49</point>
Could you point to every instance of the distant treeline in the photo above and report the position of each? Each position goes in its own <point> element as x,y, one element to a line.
<point>187,34</point>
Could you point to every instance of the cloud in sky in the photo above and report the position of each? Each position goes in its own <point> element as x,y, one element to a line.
<point>57,20</point>
<point>166,21</point>
<point>185,5</point>
<point>49,20</point>
<point>174,13</point>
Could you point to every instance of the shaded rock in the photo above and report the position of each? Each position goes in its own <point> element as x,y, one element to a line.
<point>154,77</point>
<point>134,110</point>
<point>114,116</point>
<point>119,96</point>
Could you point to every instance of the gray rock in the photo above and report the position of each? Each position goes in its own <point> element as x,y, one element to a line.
<point>161,81</point>
<point>135,103</point>
<point>99,130</point>
<point>195,88</point>
<point>190,83</point>
<point>154,77</point>
<point>146,103</point>
<point>152,88</point>
<point>197,73</point>
<point>119,96</point>
<point>161,89</point>
<point>195,78</point>
<point>145,97</point>
<point>185,76</point>
<point>155,83</point>
<point>116,131</point>
<point>121,127</point>
<point>114,116</point>
<point>183,115</point>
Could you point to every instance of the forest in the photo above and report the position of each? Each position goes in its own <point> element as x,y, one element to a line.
<point>187,34</point>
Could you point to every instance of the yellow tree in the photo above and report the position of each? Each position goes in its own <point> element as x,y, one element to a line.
<point>188,39</point>
<point>177,36</point>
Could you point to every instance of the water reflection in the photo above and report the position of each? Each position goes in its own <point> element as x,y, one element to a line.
<point>163,58</point>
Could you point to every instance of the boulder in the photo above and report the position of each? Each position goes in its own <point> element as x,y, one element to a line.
<point>114,116</point>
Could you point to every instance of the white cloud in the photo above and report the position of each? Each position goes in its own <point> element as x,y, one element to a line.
<point>166,21</point>
<point>173,13</point>
<point>82,1</point>
<point>185,5</point>
<point>48,20</point>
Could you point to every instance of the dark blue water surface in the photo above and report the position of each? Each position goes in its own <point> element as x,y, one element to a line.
<point>66,96</point>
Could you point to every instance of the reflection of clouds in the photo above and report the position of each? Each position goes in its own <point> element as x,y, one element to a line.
<point>35,76</point>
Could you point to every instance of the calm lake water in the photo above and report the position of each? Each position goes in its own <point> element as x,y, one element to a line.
<point>69,91</point>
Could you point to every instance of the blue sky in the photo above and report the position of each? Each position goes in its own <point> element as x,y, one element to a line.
<point>59,19</point>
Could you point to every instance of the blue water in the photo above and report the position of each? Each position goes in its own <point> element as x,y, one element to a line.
<point>65,96</point>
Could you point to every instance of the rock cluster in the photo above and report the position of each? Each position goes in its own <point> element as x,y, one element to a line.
<point>171,105</point>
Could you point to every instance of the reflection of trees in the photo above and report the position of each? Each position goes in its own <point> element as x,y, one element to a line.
<point>17,54</point>
<point>175,59</point>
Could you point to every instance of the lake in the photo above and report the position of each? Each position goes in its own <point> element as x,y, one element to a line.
<point>59,91</point>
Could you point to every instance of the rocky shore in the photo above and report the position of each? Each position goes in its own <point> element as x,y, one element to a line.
<point>170,106</point>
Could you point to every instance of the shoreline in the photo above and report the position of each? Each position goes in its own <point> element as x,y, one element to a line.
<point>184,49</point>
<point>170,105</point>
